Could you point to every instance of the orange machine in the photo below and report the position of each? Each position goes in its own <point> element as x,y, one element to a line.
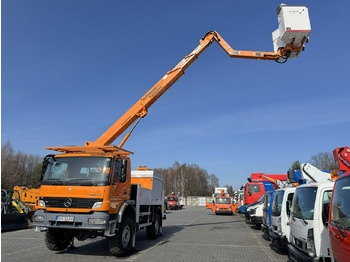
<point>220,204</point>
<point>87,190</point>
<point>28,195</point>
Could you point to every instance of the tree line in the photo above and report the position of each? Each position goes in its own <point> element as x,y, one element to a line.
<point>188,180</point>
<point>19,169</point>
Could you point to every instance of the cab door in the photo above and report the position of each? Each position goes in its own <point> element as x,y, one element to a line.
<point>120,184</point>
<point>209,203</point>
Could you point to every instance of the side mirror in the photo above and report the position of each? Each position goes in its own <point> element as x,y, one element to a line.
<point>325,213</point>
<point>123,170</point>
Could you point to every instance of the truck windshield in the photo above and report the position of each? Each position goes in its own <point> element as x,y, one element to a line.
<point>304,202</point>
<point>223,200</point>
<point>340,212</point>
<point>253,188</point>
<point>79,171</point>
<point>261,199</point>
<point>277,203</point>
<point>172,199</point>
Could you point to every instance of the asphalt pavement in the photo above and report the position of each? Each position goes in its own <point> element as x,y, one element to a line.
<point>190,234</point>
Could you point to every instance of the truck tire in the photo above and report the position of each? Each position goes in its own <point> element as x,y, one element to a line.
<point>121,244</point>
<point>57,240</point>
<point>154,230</point>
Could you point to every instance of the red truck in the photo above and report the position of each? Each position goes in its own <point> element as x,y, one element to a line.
<point>174,202</point>
<point>339,215</point>
<point>258,184</point>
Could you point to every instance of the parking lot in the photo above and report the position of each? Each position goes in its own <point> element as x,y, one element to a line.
<point>190,234</point>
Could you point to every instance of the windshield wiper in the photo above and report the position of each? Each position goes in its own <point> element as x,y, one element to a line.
<point>336,223</point>
<point>55,179</point>
<point>86,183</point>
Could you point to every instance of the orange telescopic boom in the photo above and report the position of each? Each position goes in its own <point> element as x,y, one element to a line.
<point>139,109</point>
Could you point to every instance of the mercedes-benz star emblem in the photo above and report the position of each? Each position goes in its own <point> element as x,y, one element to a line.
<point>67,202</point>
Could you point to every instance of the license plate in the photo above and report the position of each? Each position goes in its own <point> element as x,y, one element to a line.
<point>64,219</point>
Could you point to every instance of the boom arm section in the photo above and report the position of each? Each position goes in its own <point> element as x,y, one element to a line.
<point>139,109</point>
<point>342,158</point>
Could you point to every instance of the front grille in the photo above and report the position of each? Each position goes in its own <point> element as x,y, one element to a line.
<point>84,203</point>
<point>300,244</point>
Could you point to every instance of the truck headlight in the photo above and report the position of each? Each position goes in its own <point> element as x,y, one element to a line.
<point>97,205</point>
<point>97,221</point>
<point>310,242</point>
<point>41,203</point>
<point>39,218</point>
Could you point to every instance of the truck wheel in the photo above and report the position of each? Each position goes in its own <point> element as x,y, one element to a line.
<point>57,240</point>
<point>121,244</point>
<point>154,230</point>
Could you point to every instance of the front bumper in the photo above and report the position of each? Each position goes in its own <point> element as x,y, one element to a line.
<point>298,256</point>
<point>223,211</point>
<point>80,221</point>
<point>281,241</point>
<point>256,220</point>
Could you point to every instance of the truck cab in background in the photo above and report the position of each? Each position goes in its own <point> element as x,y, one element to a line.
<point>220,204</point>
<point>266,220</point>
<point>258,184</point>
<point>254,212</point>
<point>174,202</point>
<point>309,237</point>
<point>339,219</point>
<point>280,212</point>
<point>339,215</point>
<point>280,216</point>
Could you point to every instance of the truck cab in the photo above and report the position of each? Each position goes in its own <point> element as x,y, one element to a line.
<point>309,240</point>
<point>254,213</point>
<point>339,219</point>
<point>259,183</point>
<point>87,195</point>
<point>221,204</point>
<point>253,191</point>
<point>280,216</point>
<point>174,202</point>
<point>266,220</point>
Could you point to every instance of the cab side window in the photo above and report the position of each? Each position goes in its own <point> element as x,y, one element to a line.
<point>120,170</point>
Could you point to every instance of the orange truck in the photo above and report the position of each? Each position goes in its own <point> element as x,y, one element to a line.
<point>90,190</point>
<point>220,204</point>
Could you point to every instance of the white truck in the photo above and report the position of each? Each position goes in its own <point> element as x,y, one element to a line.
<point>309,237</point>
<point>254,212</point>
<point>280,216</point>
<point>217,191</point>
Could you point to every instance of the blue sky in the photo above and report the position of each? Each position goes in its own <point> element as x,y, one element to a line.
<point>70,69</point>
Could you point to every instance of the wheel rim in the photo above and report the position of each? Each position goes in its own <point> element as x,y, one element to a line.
<point>156,225</point>
<point>126,236</point>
